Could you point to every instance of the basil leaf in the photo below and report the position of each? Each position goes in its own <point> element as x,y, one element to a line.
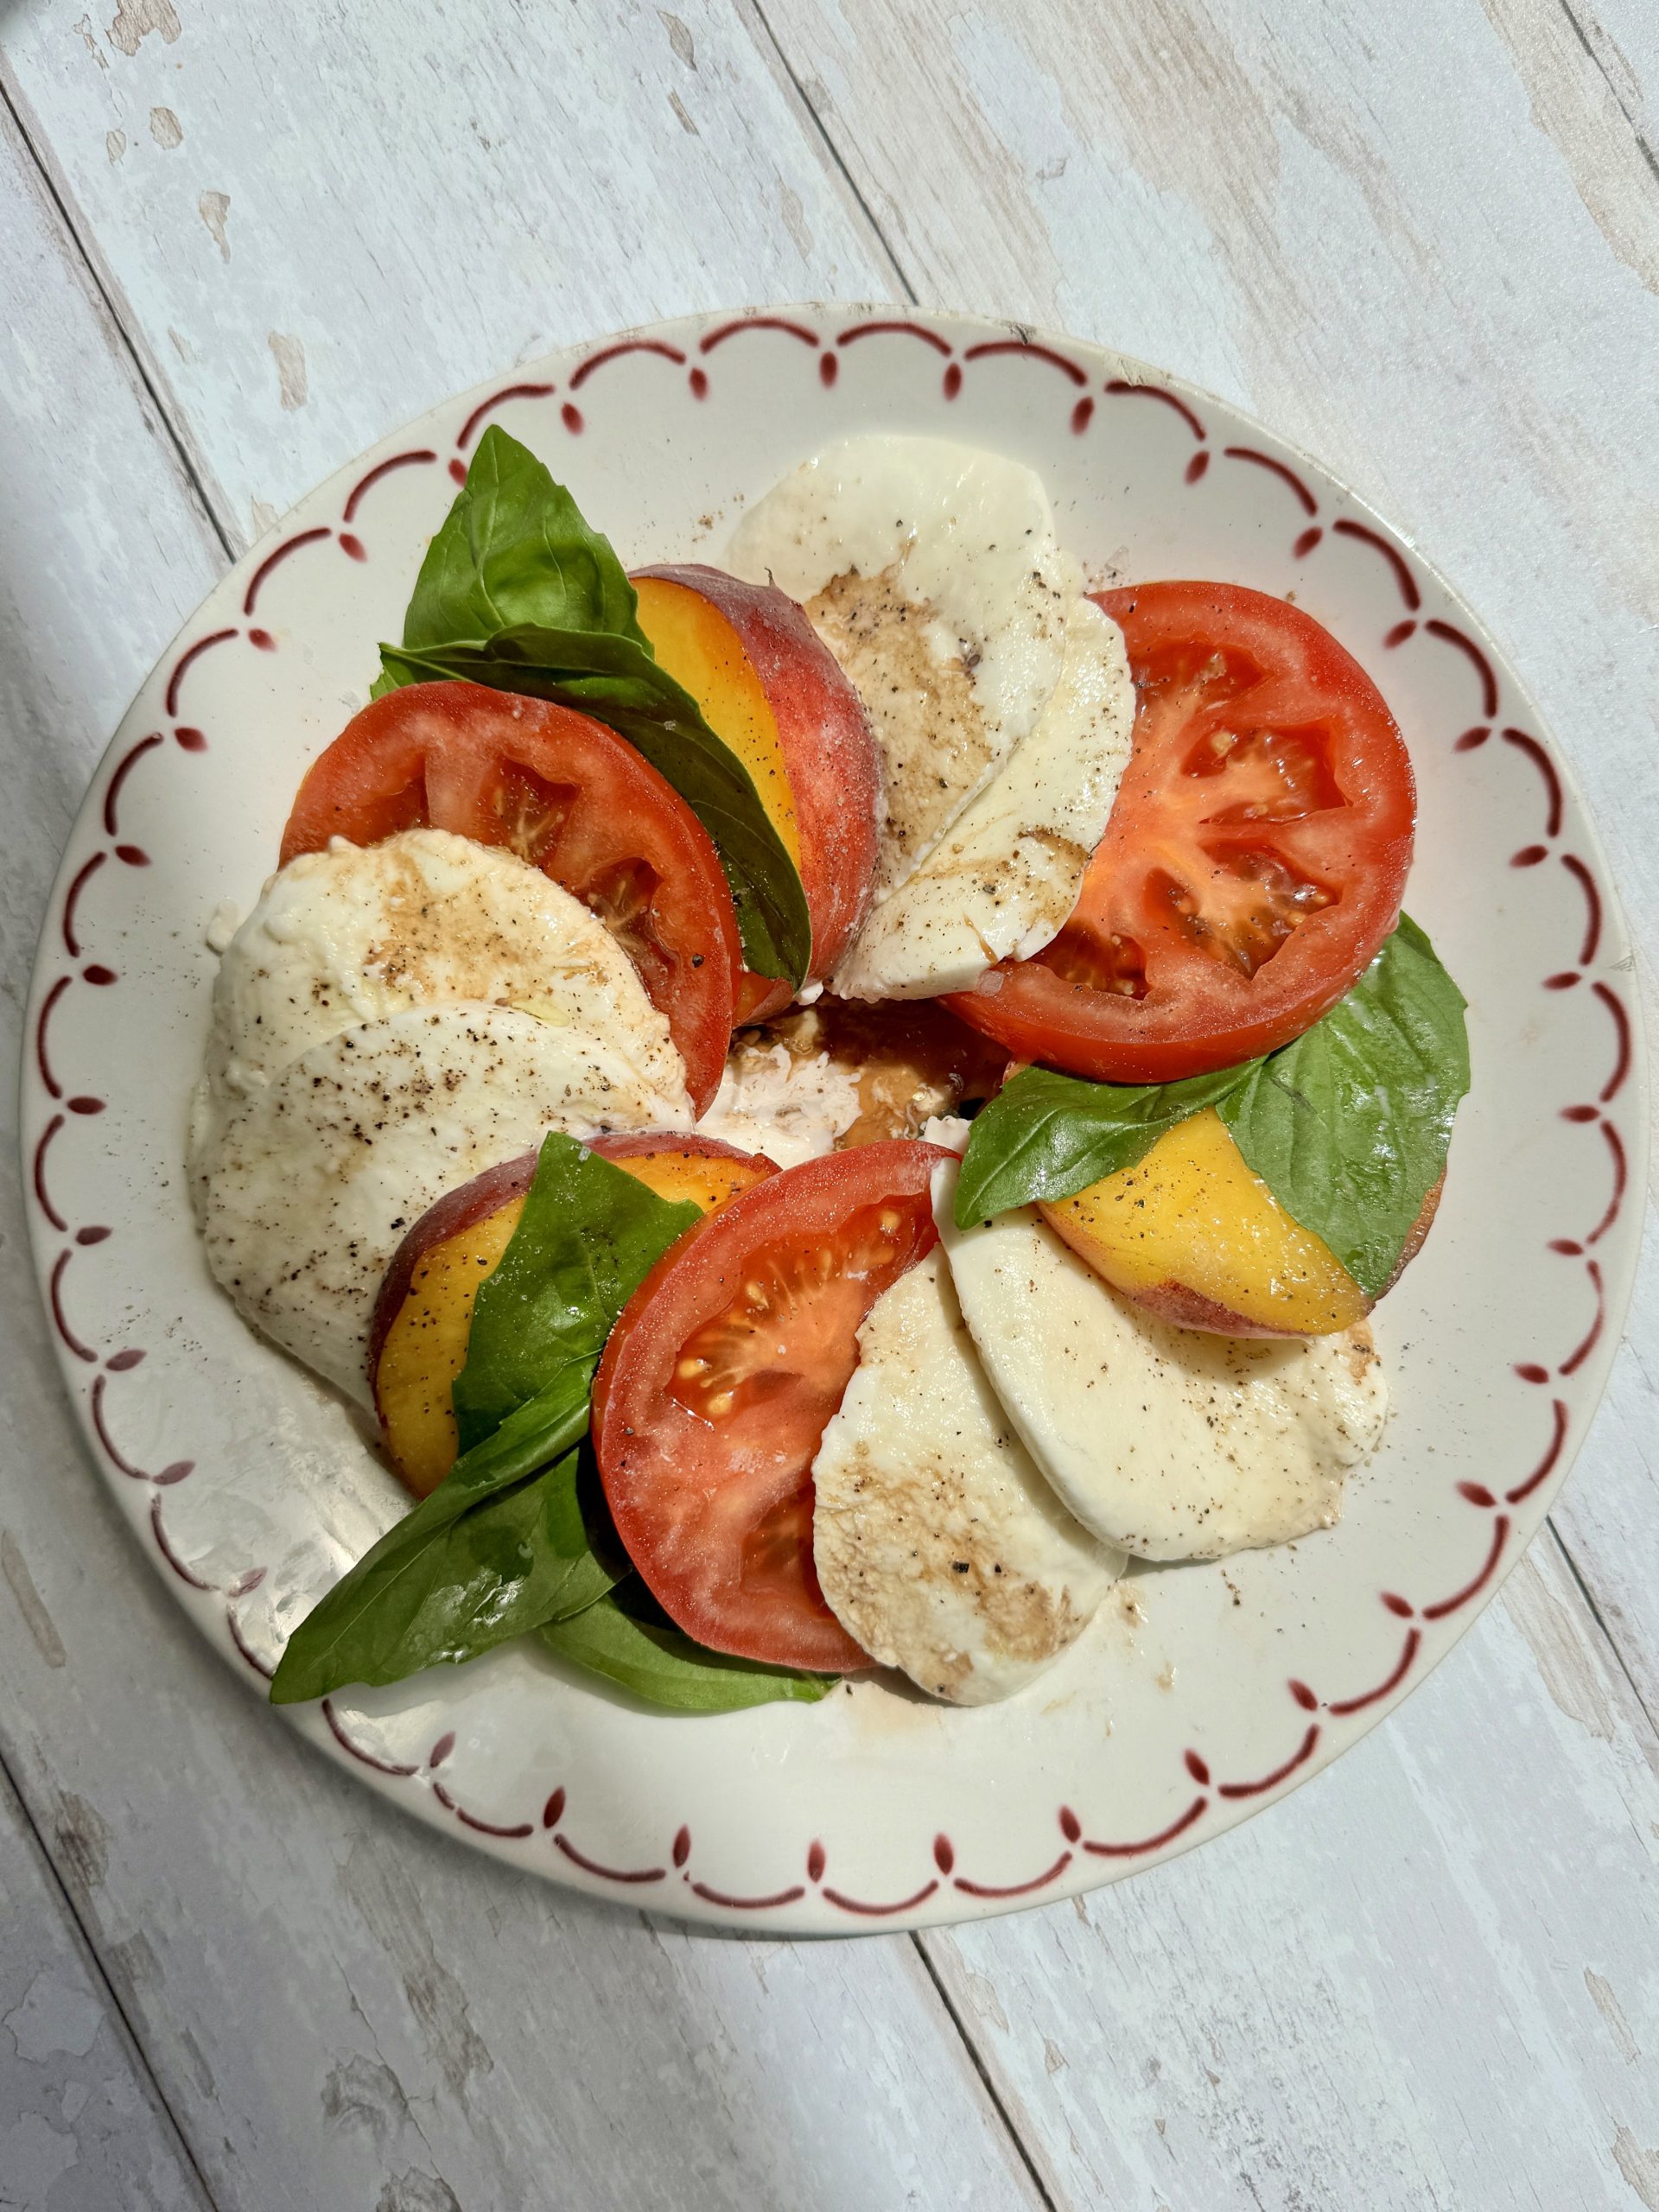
<point>547,660</point>
<point>1045,1135</point>
<point>435,1584</point>
<point>655,1662</point>
<point>588,1235</point>
<point>617,683</point>
<point>517,592</point>
<point>514,547</point>
<point>541,1428</point>
<point>1349,1126</point>
<point>503,1542</point>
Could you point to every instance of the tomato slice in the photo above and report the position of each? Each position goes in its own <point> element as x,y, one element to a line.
<point>718,1381</point>
<point>566,793</point>
<point>1254,860</point>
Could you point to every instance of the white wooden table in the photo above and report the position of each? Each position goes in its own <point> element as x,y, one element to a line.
<point>239,243</point>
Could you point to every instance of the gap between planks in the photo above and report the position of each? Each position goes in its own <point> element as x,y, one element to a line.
<point>82,1939</point>
<point>919,1938</point>
<point>55,185</point>
<point>772,53</point>
<point>1593,1607</point>
<point>1642,145</point>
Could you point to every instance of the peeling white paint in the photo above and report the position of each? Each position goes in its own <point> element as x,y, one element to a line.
<point>214,208</point>
<point>1640,2167</point>
<point>53,2017</point>
<point>33,2156</point>
<point>290,357</point>
<point>136,19</point>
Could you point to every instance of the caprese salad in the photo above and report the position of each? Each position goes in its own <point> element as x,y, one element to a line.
<point>819,1108</point>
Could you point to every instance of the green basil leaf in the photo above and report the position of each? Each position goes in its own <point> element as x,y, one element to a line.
<point>657,1664</point>
<point>1045,1135</point>
<point>588,1235</point>
<point>493,1573</point>
<point>546,660</point>
<point>618,683</point>
<point>503,1544</point>
<point>518,591</point>
<point>435,1584</point>
<point>1349,1126</point>
<point>514,547</point>
<point>541,1428</point>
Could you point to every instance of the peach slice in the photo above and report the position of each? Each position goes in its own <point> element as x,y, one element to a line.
<point>769,686</point>
<point>1191,1234</point>
<point>417,1343</point>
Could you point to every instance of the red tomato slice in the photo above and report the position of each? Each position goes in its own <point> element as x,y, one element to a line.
<point>564,791</point>
<point>1254,858</point>
<point>717,1383</point>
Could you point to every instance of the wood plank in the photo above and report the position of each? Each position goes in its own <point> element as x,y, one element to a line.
<point>342,2007</point>
<point>82,2125</point>
<point>105,547</point>
<point>1608,1516</point>
<point>427,196</point>
<point>1423,1985</point>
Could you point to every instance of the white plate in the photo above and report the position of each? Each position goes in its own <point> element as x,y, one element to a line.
<point>249,1488</point>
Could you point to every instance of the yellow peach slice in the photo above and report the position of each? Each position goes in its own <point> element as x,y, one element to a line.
<point>770,687</point>
<point>1193,1236</point>
<point>701,1170</point>
<point>701,649</point>
<point>417,1343</point>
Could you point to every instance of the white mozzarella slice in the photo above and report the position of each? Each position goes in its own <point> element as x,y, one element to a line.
<point>358,933</point>
<point>1000,883</point>
<point>932,573</point>
<point>305,1194</point>
<point>1168,1442</point>
<point>938,1543</point>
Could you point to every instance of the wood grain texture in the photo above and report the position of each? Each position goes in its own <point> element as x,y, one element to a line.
<point>366,209</point>
<point>1422,1982</point>
<point>104,547</point>
<point>82,2125</point>
<point>1408,1989</point>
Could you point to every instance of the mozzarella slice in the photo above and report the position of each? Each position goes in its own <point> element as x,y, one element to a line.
<point>1000,883</point>
<point>306,1193</point>
<point>938,1543</point>
<point>1169,1442</point>
<point>358,933</point>
<point>932,573</point>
